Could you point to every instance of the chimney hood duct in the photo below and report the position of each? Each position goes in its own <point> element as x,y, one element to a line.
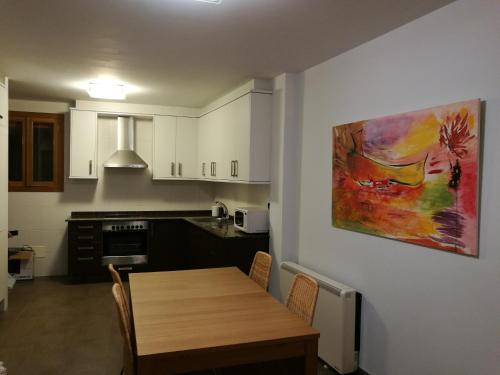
<point>125,156</point>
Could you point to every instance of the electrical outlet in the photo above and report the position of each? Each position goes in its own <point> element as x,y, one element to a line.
<point>40,251</point>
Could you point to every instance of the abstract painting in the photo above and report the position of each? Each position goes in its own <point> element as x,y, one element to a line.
<point>412,177</point>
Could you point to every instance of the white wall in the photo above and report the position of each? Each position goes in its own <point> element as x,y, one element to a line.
<point>284,198</point>
<point>241,195</point>
<point>425,311</point>
<point>4,173</point>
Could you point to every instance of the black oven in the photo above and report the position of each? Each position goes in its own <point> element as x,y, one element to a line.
<point>125,242</point>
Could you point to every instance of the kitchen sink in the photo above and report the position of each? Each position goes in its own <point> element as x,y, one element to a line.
<point>206,219</point>
<point>212,221</point>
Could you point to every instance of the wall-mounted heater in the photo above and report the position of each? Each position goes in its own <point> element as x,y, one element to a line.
<point>337,318</point>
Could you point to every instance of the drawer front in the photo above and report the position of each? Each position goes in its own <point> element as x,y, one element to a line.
<point>85,228</point>
<point>85,237</point>
<point>85,247</point>
<point>85,264</point>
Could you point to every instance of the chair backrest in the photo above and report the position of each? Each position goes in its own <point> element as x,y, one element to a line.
<point>125,323</point>
<point>302,297</point>
<point>261,269</point>
<point>118,280</point>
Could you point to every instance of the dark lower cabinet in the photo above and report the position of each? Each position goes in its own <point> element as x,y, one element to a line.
<point>173,244</point>
<point>209,251</point>
<point>85,250</point>
<point>168,242</point>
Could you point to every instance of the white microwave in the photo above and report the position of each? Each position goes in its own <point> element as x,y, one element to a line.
<point>251,219</point>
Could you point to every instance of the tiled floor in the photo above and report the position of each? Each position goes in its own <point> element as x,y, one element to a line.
<point>53,327</point>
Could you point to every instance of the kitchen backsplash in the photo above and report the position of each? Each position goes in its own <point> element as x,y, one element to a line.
<point>242,195</point>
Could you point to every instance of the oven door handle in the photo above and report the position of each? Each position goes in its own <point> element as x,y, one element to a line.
<point>124,268</point>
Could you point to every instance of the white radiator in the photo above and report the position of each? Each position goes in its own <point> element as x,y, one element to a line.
<point>335,318</point>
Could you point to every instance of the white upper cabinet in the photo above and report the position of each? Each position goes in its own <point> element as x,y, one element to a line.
<point>187,147</point>
<point>175,148</point>
<point>164,147</point>
<point>83,144</point>
<point>235,140</point>
<point>211,140</point>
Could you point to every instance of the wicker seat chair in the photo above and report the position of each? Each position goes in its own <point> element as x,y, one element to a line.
<point>303,296</point>
<point>118,280</point>
<point>261,269</point>
<point>125,323</point>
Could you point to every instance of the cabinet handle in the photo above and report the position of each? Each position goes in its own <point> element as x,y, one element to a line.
<point>124,268</point>
<point>215,168</point>
<point>81,248</point>
<point>232,168</point>
<point>236,168</point>
<point>85,227</point>
<point>203,169</point>
<point>85,237</point>
<point>211,168</point>
<point>90,167</point>
<point>85,259</point>
<point>179,169</point>
<point>172,169</point>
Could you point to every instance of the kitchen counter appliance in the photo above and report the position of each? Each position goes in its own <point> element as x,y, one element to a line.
<point>251,219</point>
<point>125,242</point>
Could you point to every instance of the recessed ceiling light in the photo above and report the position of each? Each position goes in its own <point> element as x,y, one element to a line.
<point>211,1</point>
<point>107,90</point>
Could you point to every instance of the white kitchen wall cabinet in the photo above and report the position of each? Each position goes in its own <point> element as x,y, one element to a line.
<point>83,144</point>
<point>175,152</point>
<point>211,144</point>
<point>4,173</point>
<point>186,147</point>
<point>235,141</point>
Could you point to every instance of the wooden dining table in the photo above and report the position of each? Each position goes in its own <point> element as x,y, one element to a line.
<point>212,318</point>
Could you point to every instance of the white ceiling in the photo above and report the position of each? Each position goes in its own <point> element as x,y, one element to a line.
<point>180,52</point>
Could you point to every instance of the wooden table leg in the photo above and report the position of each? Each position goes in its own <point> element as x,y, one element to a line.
<point>311,357</point>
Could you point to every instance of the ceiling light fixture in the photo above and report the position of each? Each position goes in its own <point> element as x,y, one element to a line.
<point>107,90</point>
<point>210,1</point>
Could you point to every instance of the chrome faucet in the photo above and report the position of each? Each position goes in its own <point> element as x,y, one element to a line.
<point>225,212</point>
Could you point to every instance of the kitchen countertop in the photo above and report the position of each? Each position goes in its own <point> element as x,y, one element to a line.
<point>224,229</point>
<point>221,229</point>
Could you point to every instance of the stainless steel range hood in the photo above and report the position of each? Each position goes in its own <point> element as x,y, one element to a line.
<point>125,156</point>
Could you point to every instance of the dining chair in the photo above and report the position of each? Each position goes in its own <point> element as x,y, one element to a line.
<point>118,280</point>
<point>261,269</point>
<point>125,323</point>
<point>302,297</point>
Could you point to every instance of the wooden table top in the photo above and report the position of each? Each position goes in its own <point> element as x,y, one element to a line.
<point>181,311</point>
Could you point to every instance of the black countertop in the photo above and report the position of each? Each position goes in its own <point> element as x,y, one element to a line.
<point>222,229</point>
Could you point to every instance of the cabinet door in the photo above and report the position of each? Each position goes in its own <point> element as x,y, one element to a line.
<point>168,243</point>
<point>210,143</point>
<point>203,168</point>
<point>164,166</point>
<point>187,147</point>
<point>224,155</point>
<point>241,139</point>
<point>260,129</point>
<point>83,144</point>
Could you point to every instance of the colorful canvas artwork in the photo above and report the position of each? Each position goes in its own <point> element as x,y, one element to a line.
<point>411,177</point>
